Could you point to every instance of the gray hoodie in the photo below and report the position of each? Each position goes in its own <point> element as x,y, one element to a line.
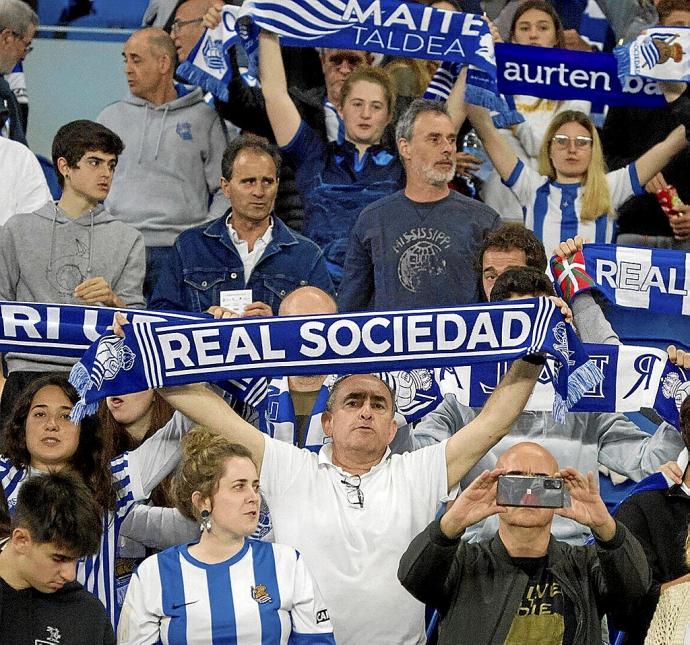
<point>44,255</point>
<point>170,165</point>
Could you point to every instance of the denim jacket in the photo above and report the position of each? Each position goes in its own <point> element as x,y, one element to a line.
<point>205,262</point>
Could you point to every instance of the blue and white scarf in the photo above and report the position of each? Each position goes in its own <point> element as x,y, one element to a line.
<point>153,355</point>
<point>69,330</point>
<point>634,378</point>
<point>377,26</point>
<point>557,74</point>
<point>660,53</point>
<point>639,278</point>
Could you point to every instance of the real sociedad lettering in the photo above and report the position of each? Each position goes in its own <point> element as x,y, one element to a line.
<point>634,276</point>
<point>413,334</point>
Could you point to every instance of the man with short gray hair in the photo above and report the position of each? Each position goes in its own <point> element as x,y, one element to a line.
<point>18,24</point>
<point>416,247</point>
<point>174,142</point>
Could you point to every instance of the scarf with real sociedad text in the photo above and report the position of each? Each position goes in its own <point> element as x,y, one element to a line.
<point>154,355</point>
<point>634,377</point>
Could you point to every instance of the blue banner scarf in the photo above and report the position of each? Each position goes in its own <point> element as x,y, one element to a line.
<point>153,355</point>
<point>208,63</point>
<point>634,378</point>
<point>557,74</point>
<point>378,26</point>
<point>637,278</point>
<point>69,330</point>
<point>659,53</point>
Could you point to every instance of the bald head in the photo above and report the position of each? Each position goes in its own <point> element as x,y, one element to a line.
<point>307,301</point>
<point>528,458</point>
<point>160,43</point>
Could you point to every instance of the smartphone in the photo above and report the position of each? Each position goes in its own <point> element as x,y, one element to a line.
<point>530,490</point>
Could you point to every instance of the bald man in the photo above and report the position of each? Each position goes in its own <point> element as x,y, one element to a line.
<point>170,169</point>
<point>527,586</point>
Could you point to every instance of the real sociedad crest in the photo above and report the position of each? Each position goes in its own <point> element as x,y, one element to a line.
<point>112,355</point>
<point>560,334</point>
<point>213,54</point>
<point>673,387</point>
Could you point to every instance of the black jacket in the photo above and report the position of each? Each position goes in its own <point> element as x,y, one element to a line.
<point>659,520</point>
<point>71,616</point>
<point>477,589</point>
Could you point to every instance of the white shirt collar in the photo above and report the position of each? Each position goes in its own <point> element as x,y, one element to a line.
<point>326,458</point>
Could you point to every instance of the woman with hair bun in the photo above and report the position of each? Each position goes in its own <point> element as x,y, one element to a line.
<point>226,588</point>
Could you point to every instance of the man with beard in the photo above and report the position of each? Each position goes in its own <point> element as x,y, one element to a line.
<point>416,247</point>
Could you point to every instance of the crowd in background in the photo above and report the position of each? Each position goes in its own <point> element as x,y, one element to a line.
<point>315,508</point>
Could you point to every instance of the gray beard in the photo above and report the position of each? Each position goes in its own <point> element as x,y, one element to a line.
<point>438,178</point>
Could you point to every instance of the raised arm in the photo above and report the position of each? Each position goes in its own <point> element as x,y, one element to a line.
<point>456,100</point>
<point>497,147</point>
<point>205,407</point>
<point>466,447</point>
<point>652,161</point>
<point>282,113</point>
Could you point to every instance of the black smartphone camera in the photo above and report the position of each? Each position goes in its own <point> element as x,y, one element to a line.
<point>535,491</point>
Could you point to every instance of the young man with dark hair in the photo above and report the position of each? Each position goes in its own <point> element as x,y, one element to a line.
<point>520,282</point>
<point>72,251</point>
<point>56,522</point>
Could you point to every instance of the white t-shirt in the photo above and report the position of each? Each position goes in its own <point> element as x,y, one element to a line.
<point>23,187</point>
<point>352,551</point>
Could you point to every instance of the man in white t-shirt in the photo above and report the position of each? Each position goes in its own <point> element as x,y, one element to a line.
<point>352,509</point>
<point>23,187</point>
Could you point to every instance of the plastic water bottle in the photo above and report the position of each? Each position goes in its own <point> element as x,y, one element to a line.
<point>472,144</point>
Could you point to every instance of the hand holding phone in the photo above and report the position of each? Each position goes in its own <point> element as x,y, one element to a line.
<point>536,491</point>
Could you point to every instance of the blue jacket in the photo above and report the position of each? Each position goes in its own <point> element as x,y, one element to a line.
<point>205,262</point>
<point>336,184</point>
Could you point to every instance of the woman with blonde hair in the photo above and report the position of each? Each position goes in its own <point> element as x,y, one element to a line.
<point>225,588</point>
<point>534,24</point>
<point>671,622</point>
<point>571,193</point>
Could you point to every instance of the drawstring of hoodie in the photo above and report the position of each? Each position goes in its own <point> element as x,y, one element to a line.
<point>52,239</point>
<point>143,133</point>
<point>88,266</point>
<point>160,133</point>
<point>144,129</point>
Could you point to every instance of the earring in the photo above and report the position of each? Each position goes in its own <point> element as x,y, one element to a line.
<point>205,521</point>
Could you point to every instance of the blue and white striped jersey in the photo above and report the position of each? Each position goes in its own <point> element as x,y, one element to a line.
<point>552,209</point>
<point>264,594</point>
<point>135,475</point>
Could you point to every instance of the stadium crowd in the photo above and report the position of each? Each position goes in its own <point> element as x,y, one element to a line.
<point>326,508</point>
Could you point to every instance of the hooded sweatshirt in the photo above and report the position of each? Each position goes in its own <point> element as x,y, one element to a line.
<point>170,167</point>
<point>70,616</point>
<point>44,255</point>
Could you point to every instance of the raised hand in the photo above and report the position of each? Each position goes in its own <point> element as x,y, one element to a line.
<point>587,507</point>
<point>475,503</point>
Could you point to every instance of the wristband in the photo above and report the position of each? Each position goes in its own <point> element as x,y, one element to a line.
<point>571,276</point>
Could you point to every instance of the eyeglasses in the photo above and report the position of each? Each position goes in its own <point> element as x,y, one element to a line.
<point>351,59</point>
<point>562,141</point>
<point>178,24</point>
<point>355,496</point>
<point>28,47</point>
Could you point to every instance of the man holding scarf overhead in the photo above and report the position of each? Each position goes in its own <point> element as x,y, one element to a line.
<point>352,509</point>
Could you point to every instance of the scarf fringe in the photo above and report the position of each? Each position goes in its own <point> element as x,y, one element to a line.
<point>196,76</point>
<point>81,380</point>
